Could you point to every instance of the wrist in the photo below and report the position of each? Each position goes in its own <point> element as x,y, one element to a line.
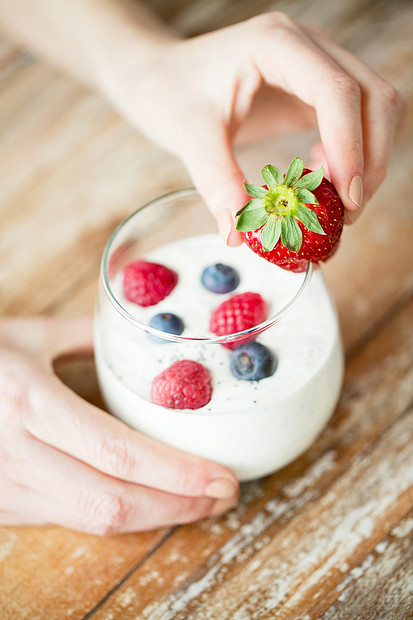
<point>127,48</point>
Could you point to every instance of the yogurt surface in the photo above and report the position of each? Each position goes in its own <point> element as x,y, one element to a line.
<point>253,427</point>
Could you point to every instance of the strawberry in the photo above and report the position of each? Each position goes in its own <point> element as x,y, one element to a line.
<point>184,385</point>
<point>145,283</point>
<point>237,313</point>
<point>293,219</point>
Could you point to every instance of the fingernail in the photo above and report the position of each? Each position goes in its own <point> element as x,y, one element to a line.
<point>225,224</point>
<point>355,191</point>
<point>221,488</point>
<point>234,238</point>
<point>223,505</point>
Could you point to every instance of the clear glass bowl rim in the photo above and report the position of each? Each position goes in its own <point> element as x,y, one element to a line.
<point>257,329</point>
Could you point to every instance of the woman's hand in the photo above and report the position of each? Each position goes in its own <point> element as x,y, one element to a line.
<point>66,462</point>
<point>194,97</point>
<point>261,76</point>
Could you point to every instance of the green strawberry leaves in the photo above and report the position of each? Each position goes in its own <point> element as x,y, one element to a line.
<point>291,235</point>
<point>256,191</point>
<point>294,171</point>
<point>311,180</point>
<point>306,197</point>
<point>272,176</point>
<point>271,233</point>
<point>252,219</point>
<point>309,219</point>
<point>278,208</point>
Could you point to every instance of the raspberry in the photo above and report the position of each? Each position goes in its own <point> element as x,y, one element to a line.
<point>237,313</point>
<point>184,385</point>
<point>146,284</point>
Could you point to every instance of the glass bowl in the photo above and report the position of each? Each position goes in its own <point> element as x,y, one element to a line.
<point>252,427</point>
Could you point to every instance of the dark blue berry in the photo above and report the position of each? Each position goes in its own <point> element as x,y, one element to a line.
<point>166,322</point>
<point>220,278</point>
<point>252,361</point>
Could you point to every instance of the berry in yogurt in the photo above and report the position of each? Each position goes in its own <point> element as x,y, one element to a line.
<point>146,283</point>
<point>184,385</point>
<point>252,361</point>
<point>166,322</point>
<point>220,278</point>
<point>236,314</point>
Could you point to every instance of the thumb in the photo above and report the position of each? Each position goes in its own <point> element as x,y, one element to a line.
<point>214,170</point>
<point>70,336</point>
<point>47,338</point>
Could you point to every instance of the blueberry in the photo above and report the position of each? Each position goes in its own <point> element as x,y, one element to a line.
<point>252,361</point>
<point>220,278</point>
<point>166,322</point>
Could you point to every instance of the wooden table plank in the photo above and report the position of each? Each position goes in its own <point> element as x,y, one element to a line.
<point>48,573</point>
<point>298,534</point>
<point>71,170</point>
<point>383,582</point>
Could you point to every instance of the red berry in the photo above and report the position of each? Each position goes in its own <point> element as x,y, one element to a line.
<point>184,385</point>
<point>304,214</point>
<point>146,283</point>
<point>237,313</point>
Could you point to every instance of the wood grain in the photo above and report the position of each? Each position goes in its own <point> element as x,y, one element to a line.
<point>297,535</point>
<point>47,573</point>
<point>329,536</point>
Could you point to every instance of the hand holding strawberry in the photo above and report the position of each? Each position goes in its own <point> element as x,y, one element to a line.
<point>294,218</point>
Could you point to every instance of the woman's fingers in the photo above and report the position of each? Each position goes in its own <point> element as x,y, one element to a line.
<point>16,507</point>
<point>357,112</point>
<point>57,416</point>
<point>210,161</point>
<point>212,82</point>
<point>47,338</point>
<point>25,506</point>
<point>61,419</point>
<point>301,68</point>
<point>318,159</point>
<point>66,492</point>
<point>382,114</point>
<point>66,462</point>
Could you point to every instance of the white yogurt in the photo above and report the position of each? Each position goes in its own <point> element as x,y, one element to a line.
<point>252,427</point>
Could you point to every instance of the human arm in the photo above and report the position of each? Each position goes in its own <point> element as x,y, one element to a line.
<point>195,96</point>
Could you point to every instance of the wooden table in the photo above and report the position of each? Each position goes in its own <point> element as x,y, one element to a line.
<point>329,536</point>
